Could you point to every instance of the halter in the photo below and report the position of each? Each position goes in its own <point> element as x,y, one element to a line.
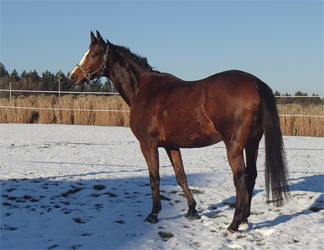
<point>102,67</point>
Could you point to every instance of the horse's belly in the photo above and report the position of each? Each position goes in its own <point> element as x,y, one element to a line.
<point>189,135</point>
<point>190,140</point>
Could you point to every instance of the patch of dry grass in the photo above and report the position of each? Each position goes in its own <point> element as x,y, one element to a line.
<point>65,116</point>
<point>105,111</point>
<point>310,125</point>
<point>45,115</point>
<point>84,117</point>
<point>8,115</point>
<point>114,117</point>
<point>68,109</point>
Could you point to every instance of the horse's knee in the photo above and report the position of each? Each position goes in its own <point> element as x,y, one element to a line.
<point>154,182</point>
<point>240,179</point>
<point>181,180</point>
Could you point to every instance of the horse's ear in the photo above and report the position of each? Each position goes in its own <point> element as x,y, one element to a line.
<point>93,38</point>
<point>99,38</point>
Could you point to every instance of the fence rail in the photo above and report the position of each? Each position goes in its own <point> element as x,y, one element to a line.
<point>112,93</point>
<point>59,92</point>
<point>115,93</point>
<point>64,109</point>
<point>298,96</point>
<point>115,110</point>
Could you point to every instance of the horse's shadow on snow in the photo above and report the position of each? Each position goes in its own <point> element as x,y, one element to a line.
<point>109,212</point>
<point>103,208</point>
<point>299,185</point>
<point>307,184</point>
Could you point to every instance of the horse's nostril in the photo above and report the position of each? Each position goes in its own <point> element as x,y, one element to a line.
<point>73,78</point>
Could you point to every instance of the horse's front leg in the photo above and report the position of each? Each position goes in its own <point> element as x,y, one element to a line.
<point>152,159</point>
<point>175,158</point>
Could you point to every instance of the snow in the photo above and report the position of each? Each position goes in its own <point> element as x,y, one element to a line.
<point>87,187</point>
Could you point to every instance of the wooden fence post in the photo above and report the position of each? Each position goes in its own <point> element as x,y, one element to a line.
<point>10,91</point>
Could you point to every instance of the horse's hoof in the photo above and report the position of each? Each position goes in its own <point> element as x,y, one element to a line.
<point>244,225</point>
<point>229,232</point>
<point>152,218</point>
<point>193,215</point>
<point>232,230</point>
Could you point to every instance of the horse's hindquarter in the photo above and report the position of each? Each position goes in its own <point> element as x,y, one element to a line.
<point>232,101</point>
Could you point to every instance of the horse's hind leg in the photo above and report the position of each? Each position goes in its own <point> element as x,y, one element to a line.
<point>240,177</point>
<point>175,158</point>
<point>251,153</point>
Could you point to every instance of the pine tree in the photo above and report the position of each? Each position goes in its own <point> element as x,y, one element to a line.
<point>14,75</point>
<point>3,71</point>
<point>65,82</point>
<point>48,80</point>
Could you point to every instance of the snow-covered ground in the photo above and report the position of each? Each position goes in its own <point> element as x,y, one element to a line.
<point>87,187</point>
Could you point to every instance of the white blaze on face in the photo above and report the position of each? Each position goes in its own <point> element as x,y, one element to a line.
<point>81,62</point>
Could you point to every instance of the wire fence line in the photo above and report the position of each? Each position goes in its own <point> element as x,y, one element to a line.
<point>59,92</point>
<point>298,96</point>
<point>115,93</point>
<point>64,109</point>
<point>303,115</point>
<point>117,110</point>
<point>110,93</point>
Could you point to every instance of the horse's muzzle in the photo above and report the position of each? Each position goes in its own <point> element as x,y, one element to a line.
<point>76,79</point>
<point>73,79</point>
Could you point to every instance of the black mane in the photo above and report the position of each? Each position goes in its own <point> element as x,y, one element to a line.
<point>141,61</point>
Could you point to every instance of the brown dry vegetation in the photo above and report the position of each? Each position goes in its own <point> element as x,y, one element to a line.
<point>310,125</point>
<point>61,113</point>
<point>102,111</point>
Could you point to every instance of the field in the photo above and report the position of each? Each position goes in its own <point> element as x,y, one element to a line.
<point>87,187</point>
<point>70,109</point>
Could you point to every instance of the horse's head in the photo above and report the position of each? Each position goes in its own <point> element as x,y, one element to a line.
<point>94,62</point>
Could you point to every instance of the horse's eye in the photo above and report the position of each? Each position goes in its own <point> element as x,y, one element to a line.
<point>94,55</point>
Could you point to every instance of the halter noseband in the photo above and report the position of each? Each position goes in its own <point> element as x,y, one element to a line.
<point>102,67</point>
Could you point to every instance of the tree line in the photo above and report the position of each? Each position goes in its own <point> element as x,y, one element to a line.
<point>48,81</point>
<point>299,97</point>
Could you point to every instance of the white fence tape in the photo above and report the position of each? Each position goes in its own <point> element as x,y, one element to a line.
<point>116,110</point>
<point>60,92</point>
<point>63,109</point>
<point>113,93</point>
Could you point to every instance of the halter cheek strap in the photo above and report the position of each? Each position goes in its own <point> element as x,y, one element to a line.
<point>102,67</point>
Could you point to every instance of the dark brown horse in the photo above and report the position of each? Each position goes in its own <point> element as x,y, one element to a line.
<point>167,112</point>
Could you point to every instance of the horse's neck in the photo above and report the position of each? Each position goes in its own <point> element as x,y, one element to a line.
<point>125,75</point>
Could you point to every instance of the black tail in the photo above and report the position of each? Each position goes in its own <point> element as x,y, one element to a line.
<point>276,172</point>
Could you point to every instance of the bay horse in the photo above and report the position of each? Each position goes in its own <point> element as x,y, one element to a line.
<point>165,111</point>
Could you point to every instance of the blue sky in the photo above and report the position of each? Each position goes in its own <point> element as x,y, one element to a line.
<point>280,42</point>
